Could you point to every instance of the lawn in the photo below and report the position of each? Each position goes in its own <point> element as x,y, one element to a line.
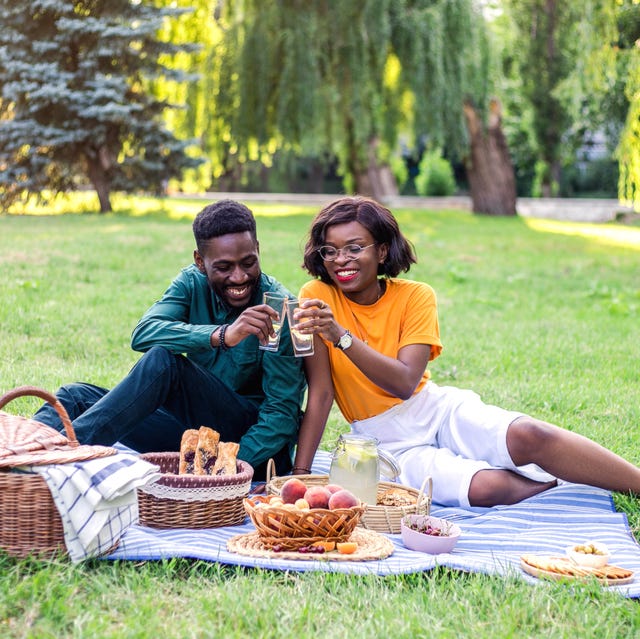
<point>535,315</point>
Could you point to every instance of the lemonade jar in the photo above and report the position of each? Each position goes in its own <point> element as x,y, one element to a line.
<point>355,466</point>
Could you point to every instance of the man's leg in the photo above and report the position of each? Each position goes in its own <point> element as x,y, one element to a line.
<point>162,395</point>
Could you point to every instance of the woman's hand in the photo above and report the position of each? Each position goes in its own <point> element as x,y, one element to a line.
<point>316,318</point>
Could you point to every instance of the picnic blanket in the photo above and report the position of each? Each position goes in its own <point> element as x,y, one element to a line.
<point>492,541</point>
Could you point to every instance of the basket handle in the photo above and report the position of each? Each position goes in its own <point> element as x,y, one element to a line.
<point>271,470</point>
<point>21,391</point>
<point>428,481</point>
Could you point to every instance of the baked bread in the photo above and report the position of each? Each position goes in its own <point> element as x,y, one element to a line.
<point>188,446</point>
<point>206,451</point>
<point>227,458</point>
<point>396,497</point>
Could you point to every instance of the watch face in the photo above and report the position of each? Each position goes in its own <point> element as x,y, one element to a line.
<point>346,340</point>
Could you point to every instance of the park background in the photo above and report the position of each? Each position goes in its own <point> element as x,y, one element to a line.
<point>537,314</point>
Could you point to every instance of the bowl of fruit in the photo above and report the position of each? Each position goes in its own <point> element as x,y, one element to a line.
<point>591,554</point>
<point>304,514</point>
<point>429,534</point>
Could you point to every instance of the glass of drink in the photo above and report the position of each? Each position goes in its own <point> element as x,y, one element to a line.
<point>355,466</point>
<point>276,302</point>
<point>302,342</point>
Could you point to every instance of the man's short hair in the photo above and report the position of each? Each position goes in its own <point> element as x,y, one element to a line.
<point>222,218</point>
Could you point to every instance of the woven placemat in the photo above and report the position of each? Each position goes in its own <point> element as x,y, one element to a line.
<point>371,545</point>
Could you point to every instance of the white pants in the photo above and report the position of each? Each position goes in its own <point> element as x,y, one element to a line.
<point>447,433</point>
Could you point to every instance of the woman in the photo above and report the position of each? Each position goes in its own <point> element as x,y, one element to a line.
<point>376,336</point>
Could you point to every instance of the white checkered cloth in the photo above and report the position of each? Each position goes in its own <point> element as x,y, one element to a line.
<point>96,499</point>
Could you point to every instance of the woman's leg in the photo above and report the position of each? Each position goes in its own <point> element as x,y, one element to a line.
<point>570,456</point>
<point>492,487</point>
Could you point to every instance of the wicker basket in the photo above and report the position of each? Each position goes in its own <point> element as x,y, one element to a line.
<point>192,501</point>
<point>384,519</point>
<point>288,529</point>
<point>30,523</point>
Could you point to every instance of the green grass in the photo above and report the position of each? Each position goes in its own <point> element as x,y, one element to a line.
<point>535,315</point>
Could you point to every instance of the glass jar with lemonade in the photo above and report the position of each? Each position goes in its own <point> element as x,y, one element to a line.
<point>355,466</point>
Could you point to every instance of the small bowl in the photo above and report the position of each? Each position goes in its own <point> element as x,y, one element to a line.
<point>423,542</point>
<point>591,554</point>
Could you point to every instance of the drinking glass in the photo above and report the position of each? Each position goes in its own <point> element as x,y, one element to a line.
<point>302,342</point>
<point>276,302</point>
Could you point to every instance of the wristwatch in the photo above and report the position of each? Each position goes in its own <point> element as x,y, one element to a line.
<point>344,342</point>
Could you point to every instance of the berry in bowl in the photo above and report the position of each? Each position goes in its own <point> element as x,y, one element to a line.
<point>428,534</point>
<point>591,554</point>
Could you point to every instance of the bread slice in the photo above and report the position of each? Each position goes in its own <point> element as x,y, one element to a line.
<point>206,451</point>
<point>226,464</point>
<point>188,446</point>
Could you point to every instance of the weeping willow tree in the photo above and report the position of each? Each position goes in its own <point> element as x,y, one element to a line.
<point>332,79</point>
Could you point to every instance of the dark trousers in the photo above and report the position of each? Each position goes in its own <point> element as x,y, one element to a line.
<point>162,396</point>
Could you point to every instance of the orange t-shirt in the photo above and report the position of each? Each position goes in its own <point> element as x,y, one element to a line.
<point>406,314</point>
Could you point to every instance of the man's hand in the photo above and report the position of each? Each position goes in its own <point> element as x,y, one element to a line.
<point>255,320</point>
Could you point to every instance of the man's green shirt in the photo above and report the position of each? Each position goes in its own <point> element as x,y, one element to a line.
<point>183,320</point>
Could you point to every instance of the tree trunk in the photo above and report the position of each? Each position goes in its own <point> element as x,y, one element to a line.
<point>98,165</point>
<point>377,181</point>
<point>490,172</point>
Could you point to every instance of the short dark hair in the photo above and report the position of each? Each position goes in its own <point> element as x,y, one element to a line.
<point>377,219</point>
<point>221,218</point>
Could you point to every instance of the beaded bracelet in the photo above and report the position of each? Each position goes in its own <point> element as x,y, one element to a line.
<point>306,470</point>
<point>222,344</point>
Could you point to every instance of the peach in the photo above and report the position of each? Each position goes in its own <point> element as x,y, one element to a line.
<point>292,490</point>
<point>318,497</point>
<point>343,499</point>
<point>333,488</point>
<point>302,504</point>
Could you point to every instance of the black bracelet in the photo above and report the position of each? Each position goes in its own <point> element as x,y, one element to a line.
<point>221,343</point>
<point>306,470</point>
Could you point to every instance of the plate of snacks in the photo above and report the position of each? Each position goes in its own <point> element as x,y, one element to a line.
<point>564,568</point>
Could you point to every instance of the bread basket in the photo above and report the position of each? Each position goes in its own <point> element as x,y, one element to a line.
<point>30,523</point>
<point>192,501</point>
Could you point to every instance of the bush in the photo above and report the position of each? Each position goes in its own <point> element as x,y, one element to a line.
<point>436,176</point>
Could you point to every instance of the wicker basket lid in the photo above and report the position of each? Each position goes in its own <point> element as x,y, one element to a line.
<point>26,441</point>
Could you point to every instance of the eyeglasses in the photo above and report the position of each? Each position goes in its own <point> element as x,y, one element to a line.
<point>350,252</point>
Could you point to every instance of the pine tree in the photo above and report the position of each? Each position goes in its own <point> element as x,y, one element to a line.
<point>74,106</point>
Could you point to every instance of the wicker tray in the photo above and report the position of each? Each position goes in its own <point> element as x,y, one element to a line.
<point>30,523</point>
<point>385,519</point>
<point>290,529</point>
<point>192,501</point>
<point>371,545</point>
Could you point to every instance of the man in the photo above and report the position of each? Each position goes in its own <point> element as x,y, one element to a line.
<point>202,364</point>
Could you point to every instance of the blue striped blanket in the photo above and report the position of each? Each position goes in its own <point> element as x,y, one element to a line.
<point>492,541</point>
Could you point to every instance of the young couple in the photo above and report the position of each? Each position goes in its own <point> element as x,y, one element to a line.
<point>374,336</point>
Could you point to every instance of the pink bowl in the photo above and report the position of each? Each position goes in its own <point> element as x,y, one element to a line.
<point>432,544</point>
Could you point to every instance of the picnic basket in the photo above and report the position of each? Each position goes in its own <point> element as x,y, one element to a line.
<point>30,523</point>
<point>192,501</point>
<point>383,519</point>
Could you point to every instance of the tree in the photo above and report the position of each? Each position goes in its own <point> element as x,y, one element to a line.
<point>343,79</point>
<point>545,49</point>
<point>489,168</point>
<point>74,99</point>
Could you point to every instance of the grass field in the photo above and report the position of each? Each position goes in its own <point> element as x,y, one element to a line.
<point>535,315</point>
